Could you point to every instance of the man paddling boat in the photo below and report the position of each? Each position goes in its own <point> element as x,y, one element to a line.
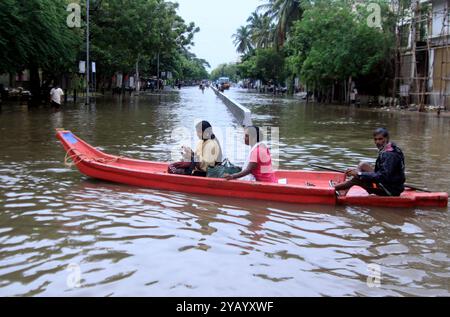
<point>388,176</point>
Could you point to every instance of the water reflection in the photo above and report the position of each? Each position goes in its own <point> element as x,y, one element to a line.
<point>137,241</point>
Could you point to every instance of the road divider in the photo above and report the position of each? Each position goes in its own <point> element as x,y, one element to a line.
<point>242,114</point>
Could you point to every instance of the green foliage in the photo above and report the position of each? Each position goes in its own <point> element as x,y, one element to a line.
<point>225,70</point>
<point>247,69</point>
<point>283,13</point>
<point>265,31</point>
<point>269,28</point>
<point>35,35</point>
<point>266,65</point>
<point>321,41</point>
<point>242,40</point>
<point>34,32</point>
<point>261,30</point>
<point>193,68</point>
<point>332,43</point>
<point>126,32</point>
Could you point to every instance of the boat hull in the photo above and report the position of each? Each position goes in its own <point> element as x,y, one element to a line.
<point>303,187</point>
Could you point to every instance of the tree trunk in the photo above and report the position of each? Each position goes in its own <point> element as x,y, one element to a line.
<point>35,86</point>
<point>349,101</point>
<point>137,80</point>
<point>345,91</point>
<point>332,93</point>
<point>12,79</point>
<point>123,82</point>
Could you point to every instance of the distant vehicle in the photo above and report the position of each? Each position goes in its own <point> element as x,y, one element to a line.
<point>205,83</point>
<point>224,82</point>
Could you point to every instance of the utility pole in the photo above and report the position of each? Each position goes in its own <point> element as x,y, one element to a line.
<point>137,77</point>
<point>87,53</point>
<point>157,84</point>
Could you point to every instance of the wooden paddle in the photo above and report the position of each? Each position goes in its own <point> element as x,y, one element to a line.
<point>327,168</point>
<point>414,187</point>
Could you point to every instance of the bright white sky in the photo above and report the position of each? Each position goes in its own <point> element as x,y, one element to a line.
<point>218,21</point>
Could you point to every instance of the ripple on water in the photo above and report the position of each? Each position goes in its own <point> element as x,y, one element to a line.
<point>133,241</point>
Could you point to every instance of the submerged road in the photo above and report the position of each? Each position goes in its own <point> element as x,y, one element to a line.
<point>64,234</point>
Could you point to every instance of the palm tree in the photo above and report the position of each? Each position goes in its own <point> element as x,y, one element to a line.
<point>242,40</point>
<point>261,30</point>
<point>283,13</point>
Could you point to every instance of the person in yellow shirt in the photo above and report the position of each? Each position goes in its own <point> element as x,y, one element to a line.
<point>208,153</point>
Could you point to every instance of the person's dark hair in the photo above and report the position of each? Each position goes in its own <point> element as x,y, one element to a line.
<point>257,131</point>
<point>383,131</point>
<point>206,129</point>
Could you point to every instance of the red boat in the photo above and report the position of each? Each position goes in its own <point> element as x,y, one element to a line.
<point>302,187</point>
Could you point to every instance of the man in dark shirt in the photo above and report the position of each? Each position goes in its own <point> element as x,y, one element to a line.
<point>388,177</point>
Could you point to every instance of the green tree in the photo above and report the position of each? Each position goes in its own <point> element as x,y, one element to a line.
<point>143,31</point>
<point>270,65</point>
<point>261,30</point>
<point>225,70</point>
<point>124,34</point>
<point>34,35</point>
<point>12,40</point>
<point>266,65</point>
<point>193,68</point>
<point>247,69</point>
<point>242,40</point>
<point>284,13</point>
<point>334,43</point>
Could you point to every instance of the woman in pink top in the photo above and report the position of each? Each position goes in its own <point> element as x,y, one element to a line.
<point>259,162</point>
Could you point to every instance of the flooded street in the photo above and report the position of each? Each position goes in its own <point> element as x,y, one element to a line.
<point>57,225</point>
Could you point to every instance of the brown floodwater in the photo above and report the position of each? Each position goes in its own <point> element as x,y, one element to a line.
<point>63,234</point>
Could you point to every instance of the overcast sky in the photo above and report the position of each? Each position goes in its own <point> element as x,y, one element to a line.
<point>218,21</point>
